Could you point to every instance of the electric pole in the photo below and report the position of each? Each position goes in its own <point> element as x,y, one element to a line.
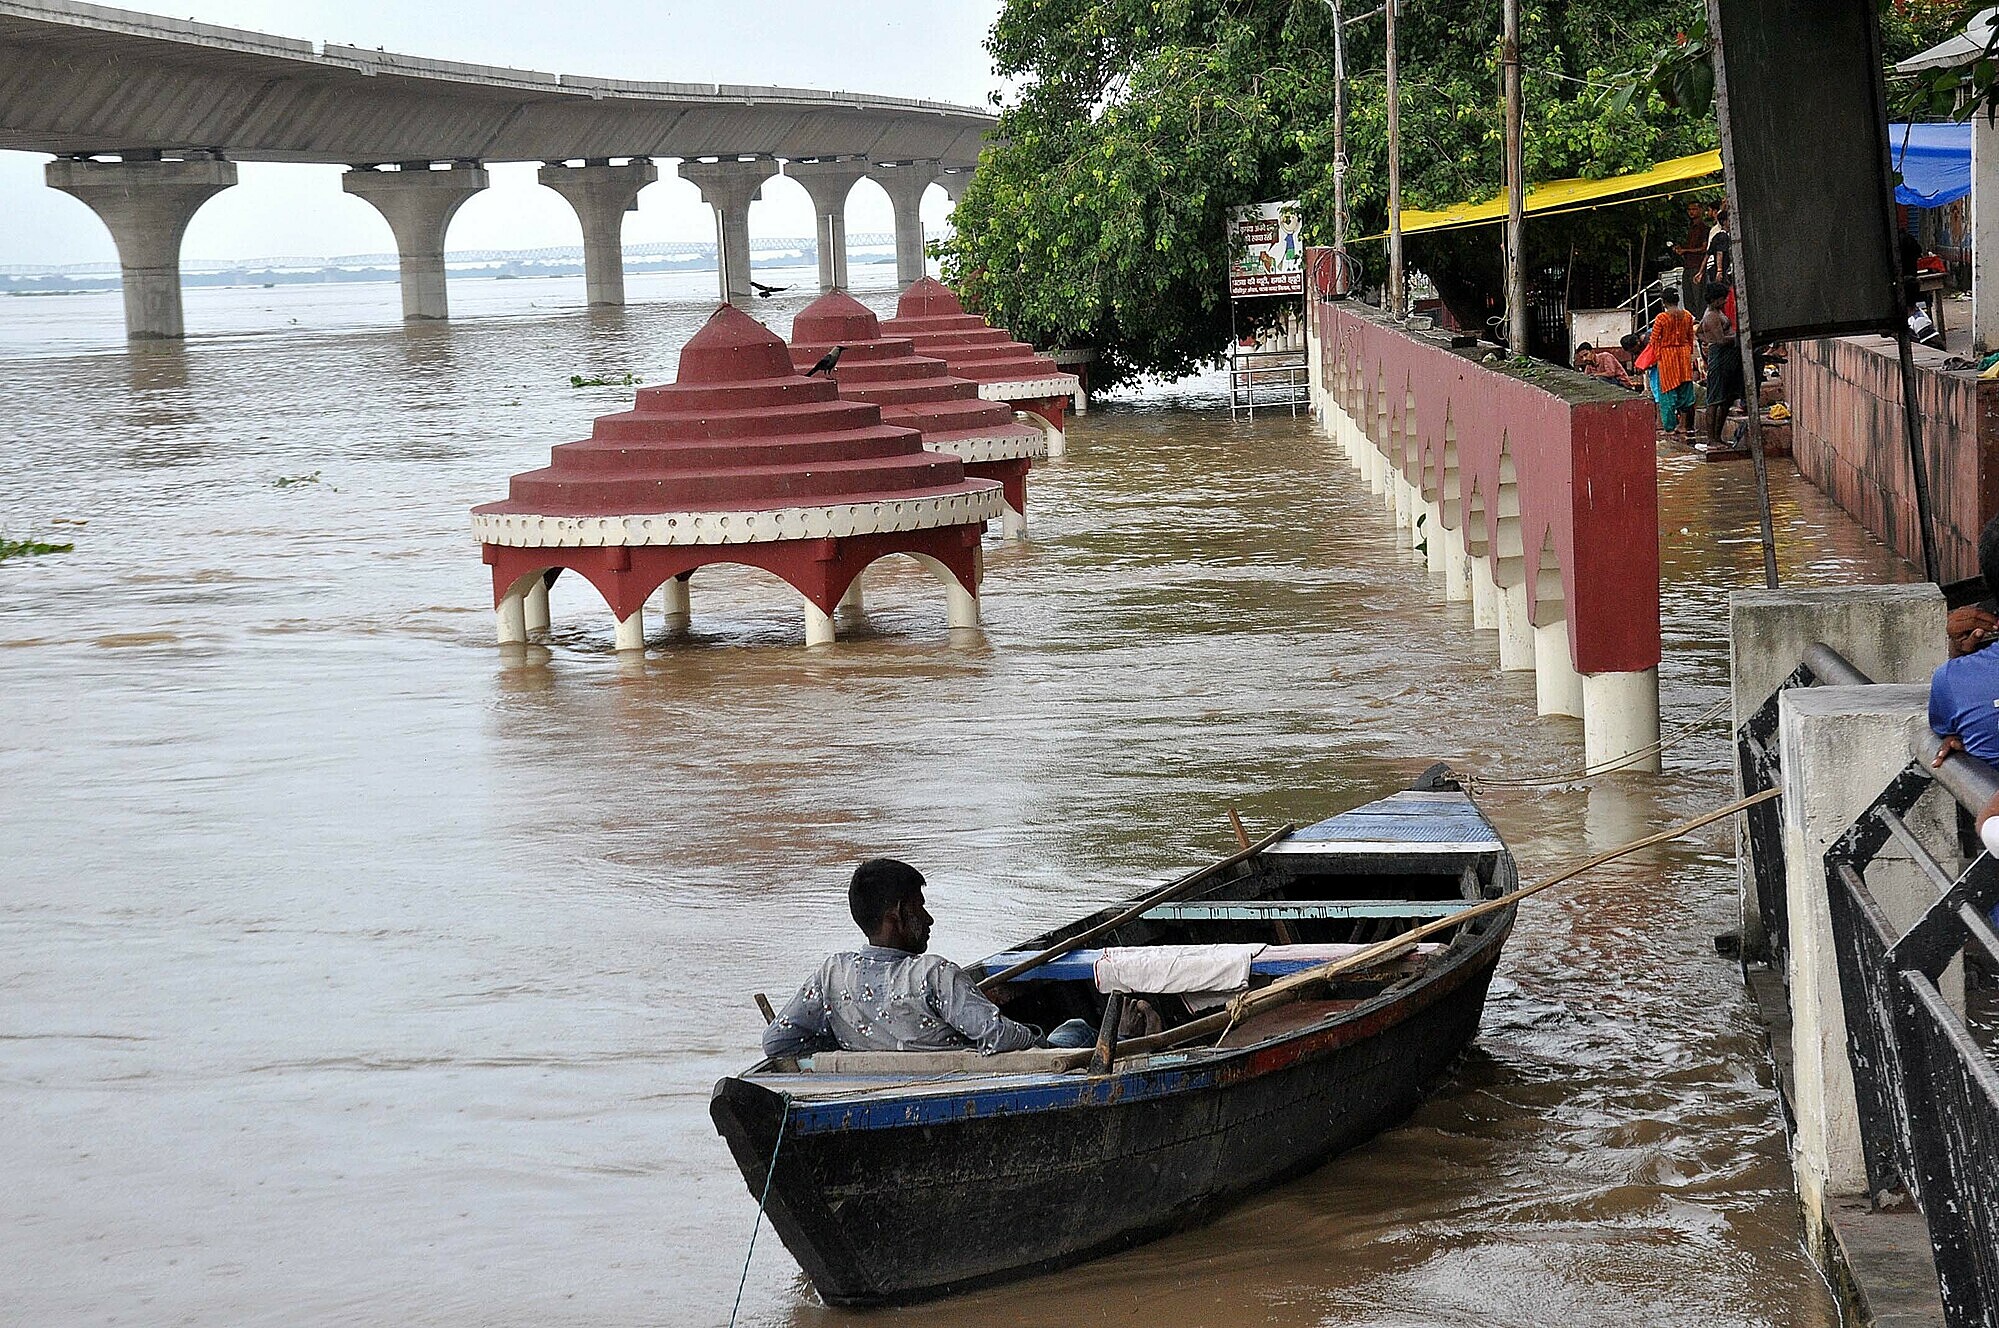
<point>1516,186</point>
<point>1398,296</point>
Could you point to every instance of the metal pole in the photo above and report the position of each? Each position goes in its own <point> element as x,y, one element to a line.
<point>1912,426</point>
<point>1746,344</point>
<point>1516,186</point>
<point>1339,141</point>
<point>1398,301</point>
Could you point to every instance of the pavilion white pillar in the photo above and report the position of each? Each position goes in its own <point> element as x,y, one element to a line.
<point>535,606</point>
<point>632,630</point>
<point>818,625</point>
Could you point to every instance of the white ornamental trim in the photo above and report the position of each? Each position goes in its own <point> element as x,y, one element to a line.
<point>1056,385</point>
<point>526,530</point>
<point>996,447</point>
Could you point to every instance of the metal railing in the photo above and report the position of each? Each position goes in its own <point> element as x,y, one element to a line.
<point>1927,1093</point>
<point>1268,378</point>
<point>1756,763</point>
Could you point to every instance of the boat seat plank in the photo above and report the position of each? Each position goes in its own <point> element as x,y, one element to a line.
<point>1081,965</point>
<point>1263,910</point>
<point>1403,823</point>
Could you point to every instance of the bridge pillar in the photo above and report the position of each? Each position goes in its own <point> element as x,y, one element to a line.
<point>953,182</point>
<point>146,205</point>
<point>829,183</point>
<point>730,185</point>
<point>418,204</point>
<point>601,194</point>
<point>905,183</point>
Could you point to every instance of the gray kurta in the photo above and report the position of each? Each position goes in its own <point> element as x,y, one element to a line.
<point>877,999</point>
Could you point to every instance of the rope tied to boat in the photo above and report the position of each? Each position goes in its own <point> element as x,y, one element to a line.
<point>783,1119</point>
<point>1477,782</point>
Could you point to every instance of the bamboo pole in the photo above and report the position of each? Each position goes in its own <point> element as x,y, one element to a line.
<point>1291,988</point>
<point>1163,895</point>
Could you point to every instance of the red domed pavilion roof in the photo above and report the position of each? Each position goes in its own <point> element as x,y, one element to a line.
<point>931,317</point>
<point>912,390</point>
<point>739,431</point>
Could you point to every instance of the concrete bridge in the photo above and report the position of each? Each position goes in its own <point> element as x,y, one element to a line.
<point>148,116</point>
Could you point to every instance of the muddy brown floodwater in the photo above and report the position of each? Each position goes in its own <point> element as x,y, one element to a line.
<point>350,973</point>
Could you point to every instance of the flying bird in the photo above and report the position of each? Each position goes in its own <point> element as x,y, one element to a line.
<point>765,292</point>
<point>826,362</point>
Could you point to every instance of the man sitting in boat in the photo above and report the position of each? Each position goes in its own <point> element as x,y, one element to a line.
<point>891,996</point>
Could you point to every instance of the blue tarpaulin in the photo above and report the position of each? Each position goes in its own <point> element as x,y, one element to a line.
<point>1935,162</point>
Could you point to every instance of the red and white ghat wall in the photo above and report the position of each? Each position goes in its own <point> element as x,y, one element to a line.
<point>1536,501</point>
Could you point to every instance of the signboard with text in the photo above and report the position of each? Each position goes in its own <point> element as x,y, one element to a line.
<point>1266,251</point>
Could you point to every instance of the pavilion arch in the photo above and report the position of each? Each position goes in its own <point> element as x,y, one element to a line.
<point>961,596</point>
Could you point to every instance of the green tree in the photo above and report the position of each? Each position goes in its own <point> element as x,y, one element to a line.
<point>1097,215</point>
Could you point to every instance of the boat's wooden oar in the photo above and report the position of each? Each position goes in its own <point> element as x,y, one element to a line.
<point>1165,894</point>
<point>1292,988</point>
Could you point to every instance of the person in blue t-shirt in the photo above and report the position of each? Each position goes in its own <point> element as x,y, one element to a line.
<point>1964,690</point>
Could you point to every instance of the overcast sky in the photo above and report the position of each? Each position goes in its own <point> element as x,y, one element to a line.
<point>906,48</point>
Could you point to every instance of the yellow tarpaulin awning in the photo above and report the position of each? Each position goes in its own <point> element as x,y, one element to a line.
<point>1566,195</point>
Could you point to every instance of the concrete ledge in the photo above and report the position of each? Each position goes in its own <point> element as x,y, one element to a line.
<point>1878,1262</point>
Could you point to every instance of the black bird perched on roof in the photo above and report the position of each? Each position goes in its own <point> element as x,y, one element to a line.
<point>765,292</point>
<point>826,362</point>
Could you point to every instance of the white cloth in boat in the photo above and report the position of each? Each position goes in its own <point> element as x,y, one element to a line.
<point>1205,974</point>
<point>1181,969</point>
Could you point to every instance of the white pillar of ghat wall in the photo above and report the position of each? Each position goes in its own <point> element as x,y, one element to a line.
<point>1558,688</point>
<point>1840,747</point>
<point>146,205</point>
<point>675,601</point>
<point>905,183</point>
<point>418,203</point>
<point>729,185</point>
<point>828,181</point>
<point>601,194</point>
<point>1484,595</point>
<point>1984,234</point>
<point>1620,719</point>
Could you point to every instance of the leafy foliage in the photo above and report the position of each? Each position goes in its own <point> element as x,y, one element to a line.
<point>1097,215</point>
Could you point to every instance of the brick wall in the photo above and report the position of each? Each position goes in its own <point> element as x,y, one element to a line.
<point>1846,404</point>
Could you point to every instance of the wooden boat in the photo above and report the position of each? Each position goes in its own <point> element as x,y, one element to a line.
<point>906,1175</point>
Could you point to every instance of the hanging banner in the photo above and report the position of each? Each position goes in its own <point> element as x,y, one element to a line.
<point>1266,251</point>
<point>1804,137</point>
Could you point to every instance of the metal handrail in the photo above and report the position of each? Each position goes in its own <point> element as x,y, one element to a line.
<point>1927,1094</point>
